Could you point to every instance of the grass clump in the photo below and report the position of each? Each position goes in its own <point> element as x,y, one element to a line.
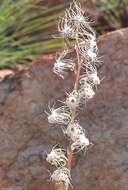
<point>25,28</point>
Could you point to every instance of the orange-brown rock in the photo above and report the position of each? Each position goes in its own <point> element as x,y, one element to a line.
<point>26,136</point>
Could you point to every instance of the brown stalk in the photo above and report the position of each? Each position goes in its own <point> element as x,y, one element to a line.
<point>73,112</point>
<point>61,186</point>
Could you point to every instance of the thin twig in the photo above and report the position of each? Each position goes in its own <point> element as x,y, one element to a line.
<point>73,112</point>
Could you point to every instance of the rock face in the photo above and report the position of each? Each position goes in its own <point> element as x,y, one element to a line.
<point>26,136</point>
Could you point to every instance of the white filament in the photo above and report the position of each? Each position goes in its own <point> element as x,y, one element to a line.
<point>77,136</point>
<point>59,116</point>
<point>57,157</point>
<point>73,100</point>
<point>61,175</point>
<point>63,64</point>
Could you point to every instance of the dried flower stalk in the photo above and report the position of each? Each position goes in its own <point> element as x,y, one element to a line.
<point>76,30</point>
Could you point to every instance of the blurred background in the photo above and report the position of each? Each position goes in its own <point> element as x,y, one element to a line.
<point>27,27</point>
<point>27,30</point>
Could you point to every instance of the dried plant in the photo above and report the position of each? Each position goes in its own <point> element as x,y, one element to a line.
<point>77,31</point>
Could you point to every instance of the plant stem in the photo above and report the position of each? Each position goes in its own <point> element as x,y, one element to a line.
<point>61,186</point>
<point>73,112</point>
<point>78,70</point>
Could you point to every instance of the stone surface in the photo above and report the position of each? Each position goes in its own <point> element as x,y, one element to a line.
<point>25,135</point>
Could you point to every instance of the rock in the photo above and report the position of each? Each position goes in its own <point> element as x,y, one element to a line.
<point>26,136</point>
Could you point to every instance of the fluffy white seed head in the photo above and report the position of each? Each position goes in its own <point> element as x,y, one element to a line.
<point>74,130</point>
<point>86,91</point>
<point>57,157</point>
<point>61,175</point>
<point>91,54</point>
<point>94,79</point>
<point>66,28</point>
<point>74,16</point>
<point>63,64</point>
<point>90,76</point>
<point>73,100</point>
<point>88,48</point>
<point>77,136</point>
<point>59,116</point>
<point>77,15</point>
<point>81,143</point>
<point>91,73</point>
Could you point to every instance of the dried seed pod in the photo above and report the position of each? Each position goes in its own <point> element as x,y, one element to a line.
<point>73,100</point>
<point>90,76</point>
<point>59,116</point>
<point>81,143</point>
<point>63,64</point>
<point>91,72</point>
<point>86,92</point>
<point>57,157</point>
<point>88,48</point>
<point>76,14</point>
<point>74,130</point>
<point>78,137</point>
<point>66,28</point>
<point>61,175</point>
